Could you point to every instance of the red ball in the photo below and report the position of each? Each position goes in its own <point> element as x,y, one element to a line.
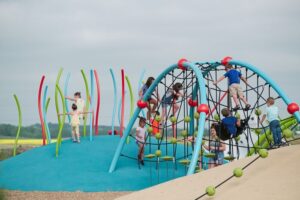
<point>292,108</point>
<point>226,60</point>
<point>142,104</point>
<point>180,63</point>
<point>203,108</point>
<point>192,103</point>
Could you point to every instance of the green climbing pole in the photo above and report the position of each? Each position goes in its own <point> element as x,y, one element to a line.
<point>19,124</point>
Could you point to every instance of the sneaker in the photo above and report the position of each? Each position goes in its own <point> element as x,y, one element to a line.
<point>78,141</point>
<point>142,162</point>
<point>248,106</point>
<point>74,141</point>
<point>236,108</point>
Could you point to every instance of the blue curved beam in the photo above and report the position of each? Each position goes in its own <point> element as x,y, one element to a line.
<point>91,103</point>
<point>268,80</point>
<point>115,102</point>
<point>45,115</point>
<point>203,100</point>
<point>264,76</point>
<point>66,94</point>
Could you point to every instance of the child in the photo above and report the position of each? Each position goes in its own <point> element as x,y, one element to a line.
<point>216,146</point>
<point>272,116</point>
<point>152,99</point>
<point>230,122</point>
<point>170,99</point>
<point>155,124</point>
<point>75,122</point>
<point>140,137</point>
<point>235,89</point>
<point>79,103</point>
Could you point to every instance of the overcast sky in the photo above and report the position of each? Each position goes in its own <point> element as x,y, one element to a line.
<point>38,37</point>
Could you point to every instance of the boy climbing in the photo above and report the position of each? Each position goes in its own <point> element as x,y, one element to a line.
<point>235,90</point>
<point>230,122</point>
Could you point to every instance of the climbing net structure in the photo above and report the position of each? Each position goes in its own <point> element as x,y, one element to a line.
<point>178,129</point>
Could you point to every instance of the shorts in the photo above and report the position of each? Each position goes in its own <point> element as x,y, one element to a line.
<point>235,89</point>
<point>166,101</point>
<point>218,159</point>
<point>75,129</point>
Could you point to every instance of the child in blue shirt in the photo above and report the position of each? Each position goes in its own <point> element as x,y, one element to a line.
<point>230,122</point>
<point>235,90</point>
<point>272,116</point>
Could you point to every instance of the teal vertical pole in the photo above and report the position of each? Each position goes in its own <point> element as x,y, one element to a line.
<point>48,134</point>
<point>115,102</point>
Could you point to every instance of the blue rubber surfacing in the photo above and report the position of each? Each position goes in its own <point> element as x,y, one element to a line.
<point>84,167</point>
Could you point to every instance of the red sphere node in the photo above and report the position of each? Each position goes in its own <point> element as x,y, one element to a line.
<point>292,108</point>
<point>142,104</point>
<point>192,103</point>
<point>180,63</point>
<point>203,108</point>
<point>226,60</point>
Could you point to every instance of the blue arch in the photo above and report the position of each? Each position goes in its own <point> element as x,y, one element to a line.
<point>201,86</point>
<point>263,75</point>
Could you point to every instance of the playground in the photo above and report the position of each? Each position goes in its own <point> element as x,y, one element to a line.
<point>137,100</point>
<point>180,114</point>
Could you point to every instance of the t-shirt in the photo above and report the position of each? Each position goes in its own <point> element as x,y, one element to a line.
<point>144,89</point>
<point>233,76</point>
<point>75,119</point>
<point>140,134</point>
<point>80,106</point>
<point>155,126</point>
<point>272,113</point>
<point>230,124</point>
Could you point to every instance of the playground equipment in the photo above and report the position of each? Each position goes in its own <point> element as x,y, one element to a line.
<point>91,103</point>
<point>201,95</point>
<point>200,106</point>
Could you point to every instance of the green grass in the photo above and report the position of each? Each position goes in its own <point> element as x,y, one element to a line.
<point>2,195</point>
